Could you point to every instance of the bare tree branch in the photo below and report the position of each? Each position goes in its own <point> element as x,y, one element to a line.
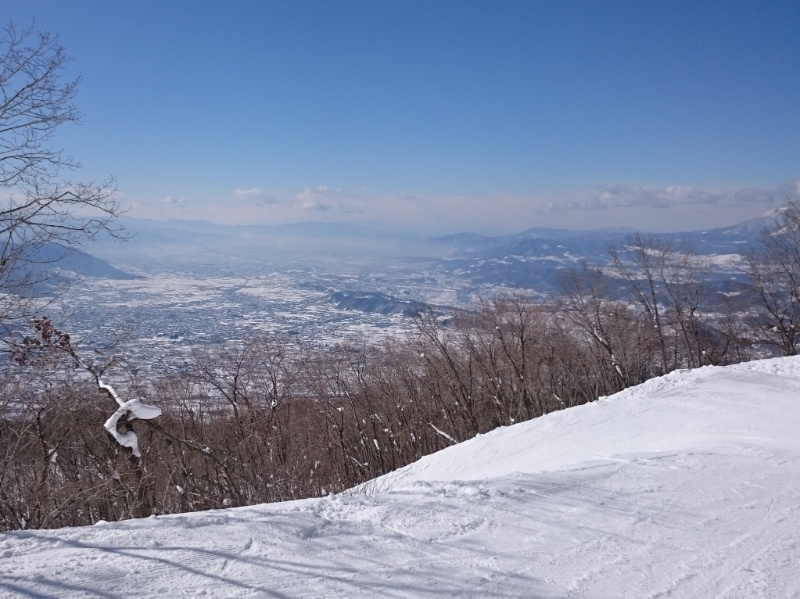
<point>38,208</point>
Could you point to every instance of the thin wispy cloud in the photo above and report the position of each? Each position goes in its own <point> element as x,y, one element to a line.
<point>407,197</point>
<point>324,199</point>
<point>677,196</point>
<point>175,201</point>
<point>313,205</point>
<point>256,195</point>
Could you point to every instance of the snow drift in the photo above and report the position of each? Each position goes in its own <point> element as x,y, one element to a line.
<point>686,486</point>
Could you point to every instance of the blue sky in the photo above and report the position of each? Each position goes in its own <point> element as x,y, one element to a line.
<point>491,116</point>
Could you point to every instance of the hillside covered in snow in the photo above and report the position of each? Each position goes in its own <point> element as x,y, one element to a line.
<point>686,486</point>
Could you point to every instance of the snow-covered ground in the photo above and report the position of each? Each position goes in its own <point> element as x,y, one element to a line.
<point>687,486</point>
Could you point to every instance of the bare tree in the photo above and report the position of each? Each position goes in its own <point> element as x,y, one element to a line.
<point>614,335</point>
<point>670,287</point>
<point>640,265</point>
<point>42,215</point>
<point>775,280</point>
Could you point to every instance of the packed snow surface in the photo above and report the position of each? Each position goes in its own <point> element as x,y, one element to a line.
<point>686,486</point>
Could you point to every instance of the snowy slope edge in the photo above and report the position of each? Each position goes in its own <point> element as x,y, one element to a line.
<point>668,413</point>
<point>687,486</point>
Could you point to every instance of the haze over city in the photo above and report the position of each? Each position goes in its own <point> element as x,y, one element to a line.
<point>439,116</point>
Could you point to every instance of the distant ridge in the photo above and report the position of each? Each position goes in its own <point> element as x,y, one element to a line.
<point>177,230</point>
<point>380,303</point>
<point>56,256</point>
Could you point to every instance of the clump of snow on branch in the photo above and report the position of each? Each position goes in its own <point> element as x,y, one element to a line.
<point>48,337</point>
<point>132,409</point>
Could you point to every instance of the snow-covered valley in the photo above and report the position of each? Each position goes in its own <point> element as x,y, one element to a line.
<point>686,486</point>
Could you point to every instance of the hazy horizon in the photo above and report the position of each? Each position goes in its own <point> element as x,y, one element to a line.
<point>410,230</point>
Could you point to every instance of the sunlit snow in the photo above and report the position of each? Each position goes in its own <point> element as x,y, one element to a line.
<point>687,486</point>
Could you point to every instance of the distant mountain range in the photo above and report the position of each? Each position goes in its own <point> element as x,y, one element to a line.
<point>176,231</point>
<point>469,263</point>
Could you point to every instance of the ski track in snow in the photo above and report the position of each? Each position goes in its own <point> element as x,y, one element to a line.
<point>687,486</point>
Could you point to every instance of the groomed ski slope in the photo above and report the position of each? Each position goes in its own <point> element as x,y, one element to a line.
<point>686,486</point>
